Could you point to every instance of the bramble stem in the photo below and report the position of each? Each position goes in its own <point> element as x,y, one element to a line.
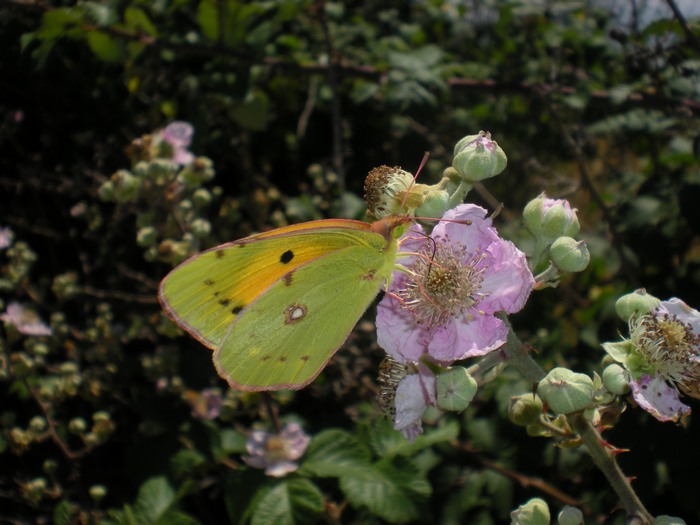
<point>518,355</point>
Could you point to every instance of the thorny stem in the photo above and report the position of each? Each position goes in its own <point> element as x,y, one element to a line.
<point>519,356</point>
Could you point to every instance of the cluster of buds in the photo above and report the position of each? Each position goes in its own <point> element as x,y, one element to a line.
<point>164,171</point>
<point>554,223</point>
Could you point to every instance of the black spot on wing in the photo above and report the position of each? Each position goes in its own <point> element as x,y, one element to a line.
<point>224,302</point>
<point>286,257</point>
<point>208,282</point>
<point>220,254</point>
<point>237,310</point>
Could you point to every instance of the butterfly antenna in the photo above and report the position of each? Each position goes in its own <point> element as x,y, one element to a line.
<point>424,160</point>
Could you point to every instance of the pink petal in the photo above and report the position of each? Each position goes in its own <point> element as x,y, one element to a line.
<point>655,396</point>
<point>397,333</point>
<point>474,236</point>
<point>508,281</point>
<point>413,396</point>
<point>459,340</point>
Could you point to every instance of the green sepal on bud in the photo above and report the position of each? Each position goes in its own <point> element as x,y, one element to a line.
<point>570,516</point>
<point>566,392</point>
<point>455,389</point>
<point>616,379</point>
<point>525,409</point>
<point>534,512</point>
<point>570,255</point>
<point>477,157</point>
<point>636,304</point>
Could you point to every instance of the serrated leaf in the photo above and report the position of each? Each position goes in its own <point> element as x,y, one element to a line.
<point>291,502</point>
<point>395,491</point>
<point>331,453</point>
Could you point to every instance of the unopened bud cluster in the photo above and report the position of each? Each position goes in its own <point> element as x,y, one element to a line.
<point>554,223</point>
<point>165,187</point>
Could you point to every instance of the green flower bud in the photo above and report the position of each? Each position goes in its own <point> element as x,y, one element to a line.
<point>616,379</point>
<point>635,304</point>
<point>550,218</point>
<point>525,409</point>
<point>147,236</point>
<point>566,392</point>
<point>126,186</point>
<point>570,255</point>
<point>201,228</point>
<point>77,426</point>
<point>197,172</point>
<point>455,389</point>
<point>106,191</point>
<point>64,286</point>
<point>50,466</point>
<point>201,197</point>
<point>98,492</point>
<point>570,516</point>
<point>534,512</point>
<point>37,424</point>
<point>477,157</point>
<point>161,171</point>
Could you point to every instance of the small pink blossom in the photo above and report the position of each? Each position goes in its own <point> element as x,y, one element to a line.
<point>205,404</point>
<point>179,136</point>
<point>277,453</point>
<point>25,320</point>
<point>6,236</point>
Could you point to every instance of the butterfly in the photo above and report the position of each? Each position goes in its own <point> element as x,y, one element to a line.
<point>274,307</point>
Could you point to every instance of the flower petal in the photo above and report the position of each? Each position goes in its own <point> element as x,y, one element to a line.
<point>459,340</point>
<point>508,281</point>
<point>413,395</point>
<point>655,396</point>
<point>475,236</point>
<point>397,333</point>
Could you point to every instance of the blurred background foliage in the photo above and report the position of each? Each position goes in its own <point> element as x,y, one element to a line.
<point>107,419</point>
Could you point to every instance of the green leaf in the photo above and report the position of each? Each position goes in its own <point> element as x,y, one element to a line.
<point>186,461</point>
<point>137,20</point>
<point>63,513</point>
<point>332,453</point>
<point>242,488</point>
<point>291,502</point>
<point>155,498</point>
<point>105,47</point>
<point>393,490</point>
<point>387,442</point>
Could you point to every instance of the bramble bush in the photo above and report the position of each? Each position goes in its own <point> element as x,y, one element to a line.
<point>136,134</point>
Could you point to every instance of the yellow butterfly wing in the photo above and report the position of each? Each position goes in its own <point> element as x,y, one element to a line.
<point>277,305</point>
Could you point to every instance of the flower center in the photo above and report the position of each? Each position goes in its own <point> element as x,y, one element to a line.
<point>442,283</point>
<point>669,348</point>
